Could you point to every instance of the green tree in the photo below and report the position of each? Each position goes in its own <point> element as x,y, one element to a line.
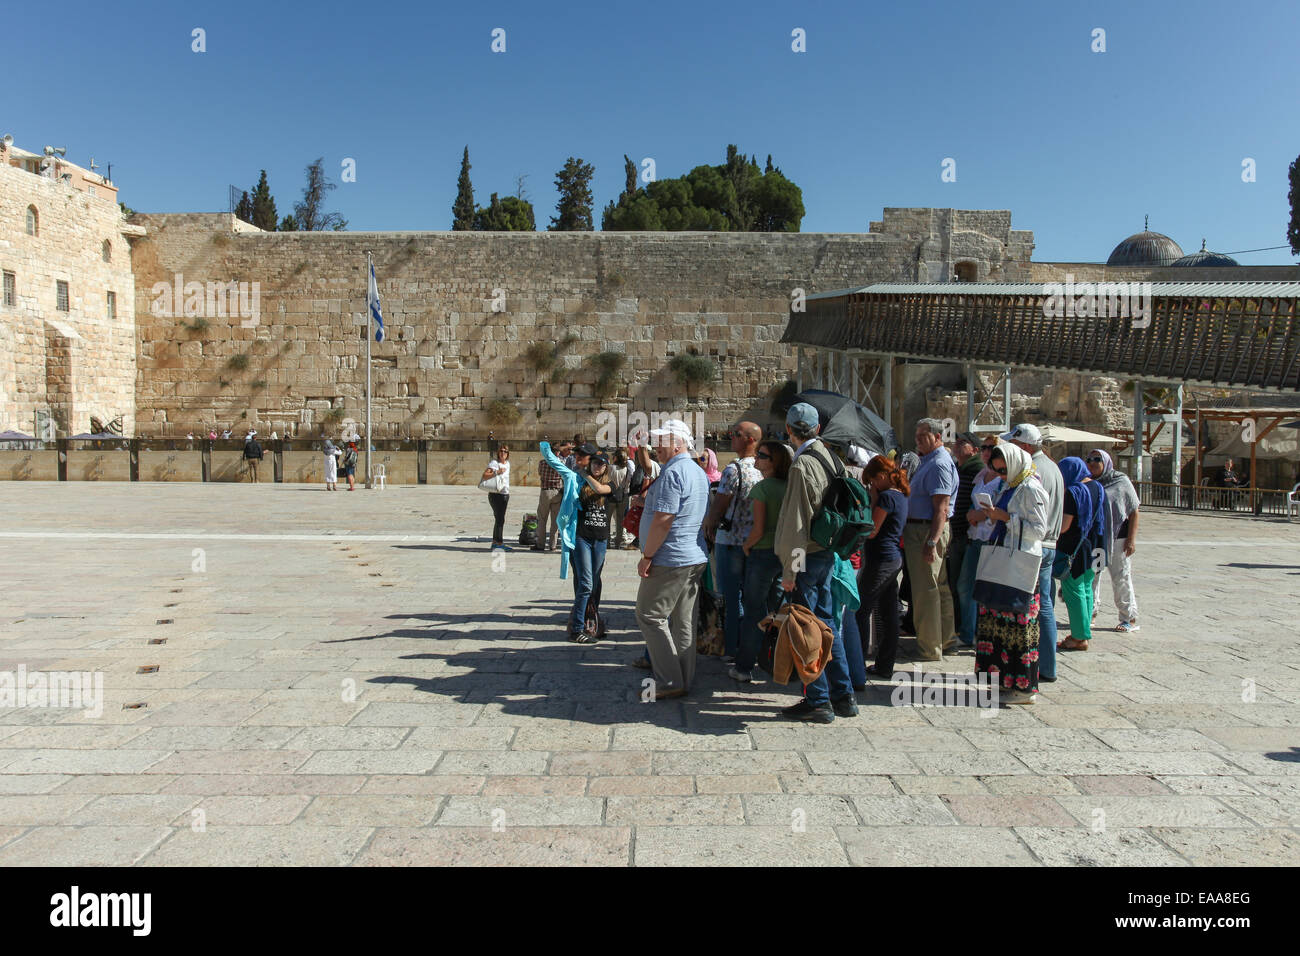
<point>288,224</point>
<point>462,210</point>
<point>244,210</point>
<point>310,214</point>
<point>574,207</point>
<point>505,215</point>
<point>264,214</point>
<point>1293,230</point>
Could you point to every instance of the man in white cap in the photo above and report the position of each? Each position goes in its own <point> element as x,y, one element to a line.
<point>1028,438</point>
<point>807,566</point>
<point>672,562</point>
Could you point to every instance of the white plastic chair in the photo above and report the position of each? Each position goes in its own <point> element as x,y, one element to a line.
<point>1293,502</point>
<point>380,477</point>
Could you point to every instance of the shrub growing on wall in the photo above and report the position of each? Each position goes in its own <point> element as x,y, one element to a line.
<point>690,369</point>
<point>502,413</point>
<point>607,365</point>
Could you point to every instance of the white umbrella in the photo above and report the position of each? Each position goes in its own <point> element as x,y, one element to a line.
<point>1059,433</point>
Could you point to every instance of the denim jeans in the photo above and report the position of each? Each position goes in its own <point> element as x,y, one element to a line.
<point>967,611</point>
<point>762,596</point>
<point>958,549</point>
<point>853,654</point>
<point>814,585</point>
<point>1046,616</point>
<point>729,567</point>
<point>588,559</point>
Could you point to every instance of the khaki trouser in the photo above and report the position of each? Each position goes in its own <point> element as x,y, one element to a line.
<point>665,611</point>
<point>252,470</point>
<point>548,507</point>
<point>932,610</point>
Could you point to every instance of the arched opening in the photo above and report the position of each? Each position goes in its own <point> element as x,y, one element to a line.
<point>108,251</point>
<point>966,271</point>
<point>33,222</point>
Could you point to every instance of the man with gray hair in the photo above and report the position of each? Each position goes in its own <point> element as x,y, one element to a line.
<point>672,562</point>
<point>1028,438</point>
<point>925,542</point>
<point>807,566</point>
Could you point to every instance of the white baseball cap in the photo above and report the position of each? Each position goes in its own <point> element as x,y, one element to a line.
<point>1029,434</point>
<point>676,428</point>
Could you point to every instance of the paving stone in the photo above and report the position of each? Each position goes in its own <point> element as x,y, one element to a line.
<point>577,737</point>
<point>642,738</point>
<point>808,738</point>
<point>1150,811</point>
<point>294,845</point>
<point>857,762</point>
<point>1224,847</point>
<point>1254,739</point>
<point>902,810</point>
<point>1087,764</point>
<point>797,810</point>
<point>1208,786</point>
<point>246,810</point>
<point>82,846</point>
<point>1005,810</point>
<point>538,785</point>
<point>1267,810</point>
<point>1271,764</point>
<point>81,761</point>
<point>354,738</point>
<point>371,761</point>
<point>259,784</point>
<point>1033,738</point>
<point>744,846</point>
<point>1157,740</point>
<point>78,737</point>
<point>620,764</point>
<point>933,846</point>
<point>40,809</point>
<point>38,782</point>
<point>974,763</point>
<point>925,785</point>
<point>643,784</point>
<point>656,811</point>
<point>142,809</point>
<point>436,784</point>
<point>513,811</point>
<point>374,810</point>
<point>1082,846</point>
<point>737,783</point>
<point>1132,785</point>
<point>512,846</point>
<point>839,783</point>
<point>388,714</point>
<point>490,763</point>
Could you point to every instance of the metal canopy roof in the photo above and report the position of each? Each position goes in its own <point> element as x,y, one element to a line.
<point>1217,290</point>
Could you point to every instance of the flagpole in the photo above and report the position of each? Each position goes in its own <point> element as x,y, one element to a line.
<point>370,319</point>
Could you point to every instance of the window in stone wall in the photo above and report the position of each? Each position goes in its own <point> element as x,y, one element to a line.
<point>62,295</point>
<point>108,251</point>
<point>33,222</point>
<point>112,306</point>
<point>11,289</point>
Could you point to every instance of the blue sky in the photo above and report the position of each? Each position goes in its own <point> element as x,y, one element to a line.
<point>1078,145</point>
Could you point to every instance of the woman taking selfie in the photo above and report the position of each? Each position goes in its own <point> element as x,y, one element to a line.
<point>594,494</point>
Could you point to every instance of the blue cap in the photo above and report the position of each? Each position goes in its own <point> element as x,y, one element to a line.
<point>803,415</point>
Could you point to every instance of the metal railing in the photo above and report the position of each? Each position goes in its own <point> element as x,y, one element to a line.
<point>1256,501</point>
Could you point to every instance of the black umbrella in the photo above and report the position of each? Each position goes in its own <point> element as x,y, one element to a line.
<point>845,422</point>
<point>1295,424</point>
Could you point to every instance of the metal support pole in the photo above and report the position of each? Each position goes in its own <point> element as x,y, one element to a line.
<point>369,324</point>
<point>1178,446</point>
<point>798,368</point>
<point>1139,411</point>
<point>888,369</point>
<point>1006,401</point>
<point>970,397</point>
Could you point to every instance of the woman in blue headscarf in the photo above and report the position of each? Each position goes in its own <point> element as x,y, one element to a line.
<point>1080,550</point>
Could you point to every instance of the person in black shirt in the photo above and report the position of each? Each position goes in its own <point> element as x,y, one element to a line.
<point>966,452</point>
<point>590,542</point>
<point>882,559</point>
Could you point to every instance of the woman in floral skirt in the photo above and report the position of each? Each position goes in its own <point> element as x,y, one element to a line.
<point>1006,642</point>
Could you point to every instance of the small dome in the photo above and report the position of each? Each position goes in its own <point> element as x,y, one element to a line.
<point>1145,248</point>
<point>1205,258</point>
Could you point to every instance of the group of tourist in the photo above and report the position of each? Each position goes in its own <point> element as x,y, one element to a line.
<point>981,531</point>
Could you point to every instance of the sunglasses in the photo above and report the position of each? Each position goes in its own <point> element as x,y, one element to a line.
<point>985,449</point>
<point>763,455</point>
<point>1000,471</point>
<point>1097,460</point>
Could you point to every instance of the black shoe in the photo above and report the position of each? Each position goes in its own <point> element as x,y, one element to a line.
<point>1050,680</point>
<point>536,548</point>
<point>805,711</point>
<point>845,707</point>
<point>876,672</point>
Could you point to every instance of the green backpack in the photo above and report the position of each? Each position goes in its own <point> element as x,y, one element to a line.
<point>843,519</point>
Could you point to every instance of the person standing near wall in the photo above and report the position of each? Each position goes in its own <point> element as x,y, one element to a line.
<point>252,455</point>
<point>548,501</point>
<point>499,468</point>
<point>925,541</point>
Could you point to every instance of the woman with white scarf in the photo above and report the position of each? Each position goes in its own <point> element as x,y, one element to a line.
<point>1006,635</point>
<point>1121,537</point>
<point>331,465</point>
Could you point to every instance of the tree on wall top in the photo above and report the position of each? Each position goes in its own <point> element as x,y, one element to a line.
<point>462,210</point>
<point>505,215</point>
<point>244,211</point>
<point>263,206</point>
<point>574,207</point>
<point>310,215</point>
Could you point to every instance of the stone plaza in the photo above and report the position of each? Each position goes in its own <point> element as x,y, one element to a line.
<point>353,678</point>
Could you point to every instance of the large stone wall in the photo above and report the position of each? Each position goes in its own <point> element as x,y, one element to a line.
<point>77,363</point>
<point>448,355</point>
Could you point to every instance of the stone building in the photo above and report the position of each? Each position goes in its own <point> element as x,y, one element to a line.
<point>67,315</point>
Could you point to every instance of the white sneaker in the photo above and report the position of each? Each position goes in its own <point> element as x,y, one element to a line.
<point>745,677</point>
<point>1016,697</point>
<point>1128,627</point>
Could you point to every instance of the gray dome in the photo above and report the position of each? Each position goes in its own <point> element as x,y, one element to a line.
<point>1206,258</point>
<point>1146,248</point>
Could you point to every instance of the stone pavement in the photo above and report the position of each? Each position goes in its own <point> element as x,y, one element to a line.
<point>352,678</point>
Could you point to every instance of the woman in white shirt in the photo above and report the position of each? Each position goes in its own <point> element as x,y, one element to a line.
<point>500,465</point>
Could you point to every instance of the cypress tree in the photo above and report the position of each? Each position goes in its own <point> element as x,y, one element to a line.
<point>264,214</point>
<point>574,207</point>
<point>462,210</point>
<point>244,210</point>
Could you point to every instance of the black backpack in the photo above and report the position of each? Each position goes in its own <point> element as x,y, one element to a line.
<point>843,519</point>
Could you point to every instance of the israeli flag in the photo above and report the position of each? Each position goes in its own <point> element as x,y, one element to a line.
<point>372,302</point>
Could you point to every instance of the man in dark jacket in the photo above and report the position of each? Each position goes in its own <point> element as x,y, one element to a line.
<point>252,455</point>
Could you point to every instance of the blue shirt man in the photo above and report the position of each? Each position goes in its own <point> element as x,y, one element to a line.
<point>936,475</point>
<point>682,489</point>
